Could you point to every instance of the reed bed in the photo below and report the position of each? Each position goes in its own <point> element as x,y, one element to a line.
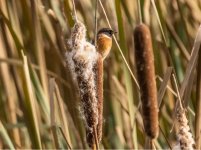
<point>56,90</point>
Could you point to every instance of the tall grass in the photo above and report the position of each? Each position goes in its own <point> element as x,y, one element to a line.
<point>39,102</point>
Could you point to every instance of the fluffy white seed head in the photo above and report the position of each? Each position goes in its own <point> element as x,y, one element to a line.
<point>184,136</point>
<point>81,60</point>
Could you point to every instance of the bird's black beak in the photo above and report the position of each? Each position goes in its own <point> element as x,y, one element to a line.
<point>114,32</point>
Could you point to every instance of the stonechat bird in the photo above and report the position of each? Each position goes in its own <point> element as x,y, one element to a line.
<point>104,41</point>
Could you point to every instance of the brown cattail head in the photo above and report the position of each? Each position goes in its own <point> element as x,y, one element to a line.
<point>146,77</point>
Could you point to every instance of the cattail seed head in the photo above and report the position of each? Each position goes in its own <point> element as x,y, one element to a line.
<point>146,77</point>
<point>81,61</point>
<point>185,138</point>
<point>86,65</point>
<point>78,36</point>
<point>90,137</point>
<point>98,71</point>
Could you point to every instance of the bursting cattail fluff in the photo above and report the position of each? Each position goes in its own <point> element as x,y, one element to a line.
<point>184,136</point>
<point>81,61</point>
<point>98,71</point>
<point>146,77</point>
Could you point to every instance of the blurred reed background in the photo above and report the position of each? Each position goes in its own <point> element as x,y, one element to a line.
<point>39,105</point>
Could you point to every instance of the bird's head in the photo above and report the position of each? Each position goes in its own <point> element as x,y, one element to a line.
<point>104,41</point>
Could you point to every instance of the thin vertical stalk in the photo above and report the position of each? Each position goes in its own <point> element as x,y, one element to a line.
<point>139,11</point>
<point>30,105</point>
<point>9,86</point>
<point>96,19</point>
<point>74,11</point>
<point>6,137</point>
<point>63,118</point>
<point>37,40</point>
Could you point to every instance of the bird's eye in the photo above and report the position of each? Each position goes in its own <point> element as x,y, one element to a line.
<point>110,32</point>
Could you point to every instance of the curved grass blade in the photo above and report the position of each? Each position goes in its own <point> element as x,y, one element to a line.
<point>6,137</point>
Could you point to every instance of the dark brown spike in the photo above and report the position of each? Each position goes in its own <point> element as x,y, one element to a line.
<point>146,77</point>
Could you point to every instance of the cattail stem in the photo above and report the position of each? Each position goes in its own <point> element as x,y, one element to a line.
<point>99,85</point>
<point>146,77</point>
<point>95,138</point>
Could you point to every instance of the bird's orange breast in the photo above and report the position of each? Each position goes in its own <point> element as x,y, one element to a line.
<point>104,44</point>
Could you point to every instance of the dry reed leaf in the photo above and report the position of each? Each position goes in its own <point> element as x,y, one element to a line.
<point>31,103</point>
<point>37,39</point>
<point>5,137</point>
<point>178,40</point>
<point>168,87</point>
<point>63,116</point>
<point>191,64</point>
<point>10,90</point>
<point>52,113</point>
<point>188,91</point>
<point>54,91</point>
<point>17,63</point>
<point>121,94</point>
<point>159,22</point>
<point>164,84</point>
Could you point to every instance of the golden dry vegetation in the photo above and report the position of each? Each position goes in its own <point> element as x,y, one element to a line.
<point>39,102</point>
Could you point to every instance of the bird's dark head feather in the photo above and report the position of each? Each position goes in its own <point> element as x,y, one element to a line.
<point>109,32</point>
